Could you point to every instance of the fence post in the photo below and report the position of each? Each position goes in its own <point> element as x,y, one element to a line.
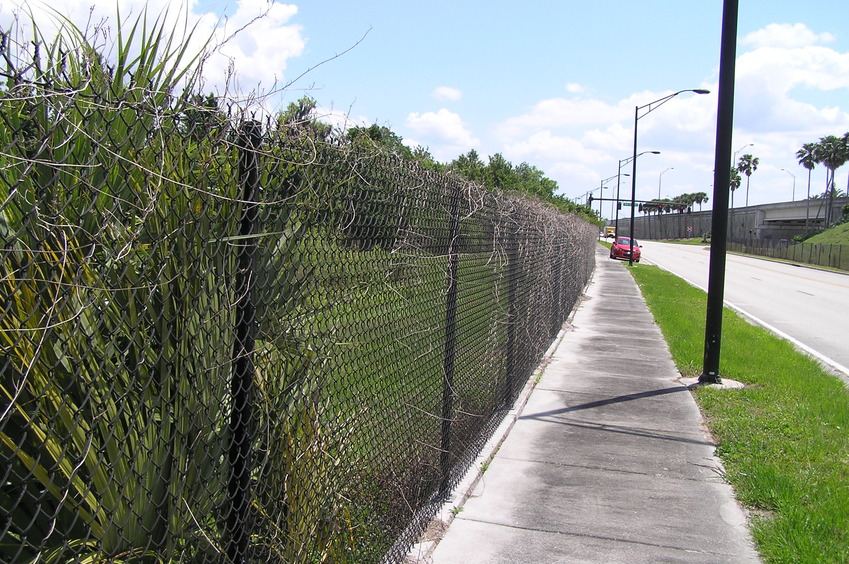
<point>450,339</point>
<point>557,290</point>
<point>512,284</point>
<point>242,382</point>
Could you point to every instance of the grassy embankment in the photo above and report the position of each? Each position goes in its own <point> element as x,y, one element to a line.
<point>783,438</point>
<point>838,235</point>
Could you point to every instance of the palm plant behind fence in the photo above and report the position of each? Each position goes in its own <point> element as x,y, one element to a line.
<point>222,347</point>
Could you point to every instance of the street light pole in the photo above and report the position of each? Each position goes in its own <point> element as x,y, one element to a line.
<point>734,159</point>
<point>601,188</point>
<point>651,107</point>
<point>793,197</point>
<point>618,177</point>
<point>659,178</point>
<point>721,183</point>
<point>600,199</point>
<point>622,163</point>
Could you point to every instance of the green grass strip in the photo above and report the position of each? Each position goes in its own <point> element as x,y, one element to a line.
<point>783,438</point>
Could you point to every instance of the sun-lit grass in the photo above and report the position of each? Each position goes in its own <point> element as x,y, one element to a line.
<point>837,235</point>
<point>783,439</point>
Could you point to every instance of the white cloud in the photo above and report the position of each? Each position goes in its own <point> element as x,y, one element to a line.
<point>443,131</point>
<point>560,113</point>
<point>340,120</point>
<point>446,94</point>
<point>783,100</point>
<point>785,36</point>
<point>778,82</point>
<point>579,141</point>
<point>782,78</point>
<point>256,41</point>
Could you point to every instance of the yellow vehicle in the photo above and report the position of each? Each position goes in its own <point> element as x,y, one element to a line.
<point>609,231</point>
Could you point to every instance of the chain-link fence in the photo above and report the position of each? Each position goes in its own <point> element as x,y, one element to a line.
<point>235,343</point>
<point>818,254</point>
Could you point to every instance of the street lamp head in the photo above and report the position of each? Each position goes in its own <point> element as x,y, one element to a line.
<point>654,152</point>
<point>701,91</point>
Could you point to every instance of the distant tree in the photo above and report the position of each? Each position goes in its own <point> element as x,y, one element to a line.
<point>846,144</point>
<point>469,166</point>
<point>747,165</point>
<point>808,159</point>
<point>422,156</point>
<point>299,119</point>
<point>700,198</point>
<point>202,118</point>
<point>832,152</point>
<point>736,180</point>
<point>500,173</point>
<point>532,181</point>
<point>382,138</point>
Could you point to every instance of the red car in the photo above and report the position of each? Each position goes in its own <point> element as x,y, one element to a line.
<point>621,249</point>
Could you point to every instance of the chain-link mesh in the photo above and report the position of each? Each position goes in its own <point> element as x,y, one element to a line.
<point>828,255</point>
<point>236,343</point>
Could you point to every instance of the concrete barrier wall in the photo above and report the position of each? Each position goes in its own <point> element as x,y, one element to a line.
<point>764,223</point>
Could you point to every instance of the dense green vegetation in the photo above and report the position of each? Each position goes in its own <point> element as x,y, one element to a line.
<point>782,438</point>
<point>679,203</point>
<point>121,220</point>
<point>497,174</point>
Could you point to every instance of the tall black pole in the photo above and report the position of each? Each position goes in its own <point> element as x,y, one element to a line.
<point>721,187</point>
<point>448,362</point>
<point>616,223</point>
<point>633,188</point>
<point>242,383</point>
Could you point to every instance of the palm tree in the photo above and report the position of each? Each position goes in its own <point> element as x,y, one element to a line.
<point>747,165</point>
<point>846,144</point>
<point>807,158</point>
<point>832,152</point>
<point>736,180</point>
<point>700,198</point>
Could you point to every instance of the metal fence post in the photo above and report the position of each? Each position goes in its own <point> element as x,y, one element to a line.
<point>450,339</point>
<point>557,291</point>
<point>242,383</point>
<point>512,283</point>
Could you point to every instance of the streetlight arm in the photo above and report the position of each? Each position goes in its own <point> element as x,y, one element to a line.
<point>625,161</point>
<point>651,106</point>
<point>660,101</point>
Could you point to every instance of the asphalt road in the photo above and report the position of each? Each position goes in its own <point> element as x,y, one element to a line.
<point>807,306</point>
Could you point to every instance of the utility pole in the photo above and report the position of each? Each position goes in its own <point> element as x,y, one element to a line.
<point>721,187</point>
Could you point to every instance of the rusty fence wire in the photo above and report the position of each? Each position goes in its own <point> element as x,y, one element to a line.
<point>229,341</point>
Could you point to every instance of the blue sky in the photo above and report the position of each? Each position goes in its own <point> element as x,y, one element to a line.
<point>553,83</point>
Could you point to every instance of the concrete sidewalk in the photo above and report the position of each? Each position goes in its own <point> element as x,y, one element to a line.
<point>606,460</point>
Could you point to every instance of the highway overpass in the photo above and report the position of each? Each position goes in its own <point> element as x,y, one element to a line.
<point>763,222</point>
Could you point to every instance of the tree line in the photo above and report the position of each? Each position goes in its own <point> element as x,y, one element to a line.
<point>496,173</point>
<point>682,204</point>
<point>832,152</point>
